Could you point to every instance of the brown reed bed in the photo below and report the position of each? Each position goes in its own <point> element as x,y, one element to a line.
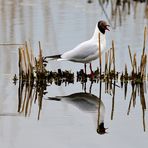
<point>34,69</point>
<point>34,79</point>
<point>138,73</point>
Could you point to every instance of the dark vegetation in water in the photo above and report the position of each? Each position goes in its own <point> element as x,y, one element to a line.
<point>32,69</point>
<point>34,78</point>
<point>32,92</point>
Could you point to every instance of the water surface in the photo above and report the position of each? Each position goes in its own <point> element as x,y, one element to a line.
<point>60,25</point>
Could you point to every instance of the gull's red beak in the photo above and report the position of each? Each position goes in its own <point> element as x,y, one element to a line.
<point>106,28</point>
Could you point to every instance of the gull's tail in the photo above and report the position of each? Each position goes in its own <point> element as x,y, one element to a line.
<point>54,98</point>
<point>53,57</point>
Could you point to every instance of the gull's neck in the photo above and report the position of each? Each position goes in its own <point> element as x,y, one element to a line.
<point>95,36</point>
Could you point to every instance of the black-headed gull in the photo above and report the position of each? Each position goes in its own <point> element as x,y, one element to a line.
<point>88,103</point>
<point>86,51</point>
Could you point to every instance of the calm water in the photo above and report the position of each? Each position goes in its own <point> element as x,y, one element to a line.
<point>60,25</point>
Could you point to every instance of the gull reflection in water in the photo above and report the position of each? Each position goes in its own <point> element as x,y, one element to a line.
<point>88,103</point>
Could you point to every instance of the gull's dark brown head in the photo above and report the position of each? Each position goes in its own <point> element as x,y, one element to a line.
<point>103,26</point>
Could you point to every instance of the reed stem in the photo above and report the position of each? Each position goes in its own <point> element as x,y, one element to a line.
<point>100,56</point>
<point>113,50</point>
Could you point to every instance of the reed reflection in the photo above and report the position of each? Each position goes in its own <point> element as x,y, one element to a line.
<point>120,9</point>
<point>32,92</point>
<point>29,92</point>
<point>140,90</point>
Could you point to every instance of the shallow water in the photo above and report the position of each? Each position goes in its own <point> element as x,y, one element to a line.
<point>60,25</point>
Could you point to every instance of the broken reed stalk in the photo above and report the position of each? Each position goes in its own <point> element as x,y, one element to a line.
<point>106,62</point>
<point>30,66</point>
<point>144,56</point>
<point>24,57</point>
<point>113,50</point>
<point>25,62</point>
<point>32,54</point>
<point>20,63</point>
<point>143,66</point>
<point>28,56</point>
<point>40,58</point>
<point>145,32</point>
<point>110,59</point>
<point>135,63</point>
<point>130,56</point>
<point>100,56</point>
